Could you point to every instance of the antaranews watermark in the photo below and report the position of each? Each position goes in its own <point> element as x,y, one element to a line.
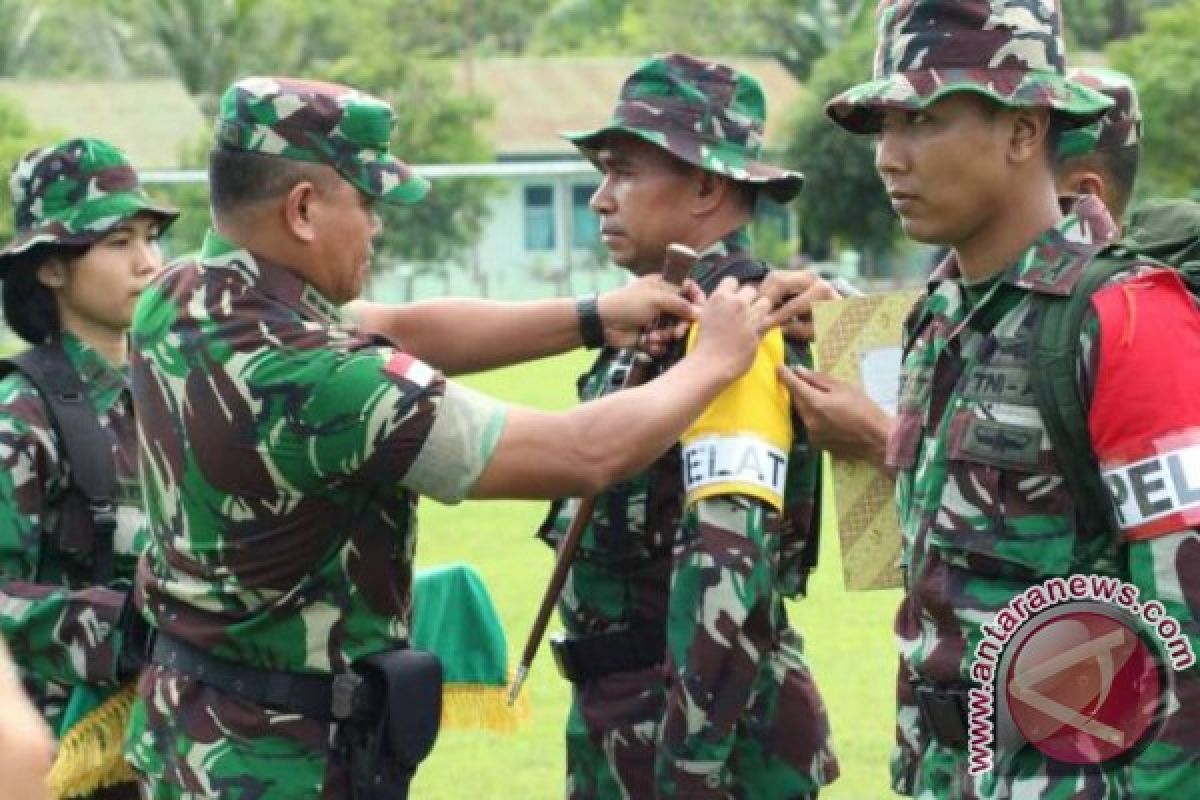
<point>1065,667</point>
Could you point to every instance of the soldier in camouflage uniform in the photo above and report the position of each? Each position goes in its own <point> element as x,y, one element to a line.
<point>966,99</point>
<point>680,575</point>
<point>86,244</point>
<point>1101,159</point>
<point>283,450</point>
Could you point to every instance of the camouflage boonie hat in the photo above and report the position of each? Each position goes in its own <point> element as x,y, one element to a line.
<point>1121,125</point>
<point>321,123</point>
<point>1010,51</point>
<point>74,193</point>
<point>702,112</point>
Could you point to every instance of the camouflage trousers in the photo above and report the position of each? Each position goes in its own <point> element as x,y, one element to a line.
<point>612,729</point>
<point>188,741</point>
<point>942,775</point>
<point>612,733</point>
<point>1167,769</point>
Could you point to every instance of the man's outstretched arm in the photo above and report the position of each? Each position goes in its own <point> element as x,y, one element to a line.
<point>581,451</point>
<point>463,335</point>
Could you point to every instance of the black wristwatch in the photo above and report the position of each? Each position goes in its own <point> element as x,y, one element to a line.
<point>591,327</point>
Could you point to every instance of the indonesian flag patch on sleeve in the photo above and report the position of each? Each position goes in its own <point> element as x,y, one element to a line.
<point>407,368</point>
<point>740,444</point>
<point>1145,411</point>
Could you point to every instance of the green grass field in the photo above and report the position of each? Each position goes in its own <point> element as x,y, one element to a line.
<point>848,638</point>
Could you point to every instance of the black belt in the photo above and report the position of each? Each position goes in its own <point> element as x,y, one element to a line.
<point>344,696</point>
<point>943,710</point>
<point>582,659</point>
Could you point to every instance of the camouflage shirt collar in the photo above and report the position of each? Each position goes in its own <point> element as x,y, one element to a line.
<point>1044,266</point>
<point>105,383</point>
<point>270,278</point>
<point>716,256</point>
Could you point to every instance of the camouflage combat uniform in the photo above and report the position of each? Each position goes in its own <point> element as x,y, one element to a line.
<point>282,453</point>
<point>739,715</point>
<point>983,507</point>
<point>59,626</point>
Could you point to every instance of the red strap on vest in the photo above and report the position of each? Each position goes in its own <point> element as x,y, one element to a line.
<point>1145,411</point>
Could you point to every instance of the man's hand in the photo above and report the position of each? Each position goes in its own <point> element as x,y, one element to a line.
<point>839,417</point>
<point>731,325</point>
<point>581,451</point>
<point>629,309</point>
<point>792,294</point>
<point>26,744</point>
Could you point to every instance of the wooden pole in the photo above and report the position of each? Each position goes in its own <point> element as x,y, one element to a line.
<point>676,264</point>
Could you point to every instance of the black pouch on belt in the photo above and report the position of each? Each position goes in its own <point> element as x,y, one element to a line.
<point>385,751</point>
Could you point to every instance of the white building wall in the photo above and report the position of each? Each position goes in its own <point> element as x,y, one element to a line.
<point>502,245</point>
<point>513,270</point>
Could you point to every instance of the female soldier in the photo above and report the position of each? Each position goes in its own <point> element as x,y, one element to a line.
<point>86,244</point>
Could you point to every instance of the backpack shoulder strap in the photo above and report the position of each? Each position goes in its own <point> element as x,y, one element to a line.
<point>85,445</point>
<point>746,270</point>
<point>1055,388</point>
<point>743,266</point>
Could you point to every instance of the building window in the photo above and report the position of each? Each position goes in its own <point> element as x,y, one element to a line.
<point>585,225</point>
<point>539,218</point>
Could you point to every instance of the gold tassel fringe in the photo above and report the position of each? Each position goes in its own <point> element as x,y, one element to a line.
<point>481,706</point>
<point>90,755</point>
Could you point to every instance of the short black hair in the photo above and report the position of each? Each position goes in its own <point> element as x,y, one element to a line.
<point>29,305</point>
<point>1122,164</point>
<point>238,179</point>
<point>1119,167</point>
<point>747,194</point>
<point>1059,124</point>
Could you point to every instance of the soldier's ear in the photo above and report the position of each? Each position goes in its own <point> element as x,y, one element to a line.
<point>1084,181</point>
<point>298,211</point>
<point>52,273</point>
<point>1093,183</point>
<point>711,189</point>
<point>1030,127</point>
